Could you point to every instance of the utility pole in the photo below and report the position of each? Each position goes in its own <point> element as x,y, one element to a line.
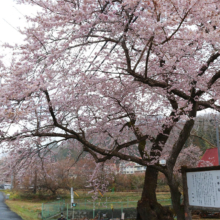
<point>72,201</point>
<point>12,181</point>
<point>217,138</point>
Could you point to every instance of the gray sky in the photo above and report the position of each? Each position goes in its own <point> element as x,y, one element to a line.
<point>10,15</point>
<point>10,18</point>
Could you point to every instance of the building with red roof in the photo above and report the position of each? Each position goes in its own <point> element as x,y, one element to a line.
<point>210,158</point>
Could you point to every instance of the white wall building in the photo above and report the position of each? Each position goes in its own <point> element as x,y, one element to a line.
<point>7,186</point>
<point>131,168</point>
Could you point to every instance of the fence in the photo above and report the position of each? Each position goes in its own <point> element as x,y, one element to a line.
<point>91,210</point>
<point>52,209</point>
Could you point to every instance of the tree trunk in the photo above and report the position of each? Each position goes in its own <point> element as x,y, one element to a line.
<point>177,206</point>
<point>35,182</point>
<point>54,191</point>
<point>148,208</point>
<point>178,146</point>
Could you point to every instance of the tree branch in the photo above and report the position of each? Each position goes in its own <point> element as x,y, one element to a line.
<point>204,139</point>
<point>147,59</point>
<point>211,59</point>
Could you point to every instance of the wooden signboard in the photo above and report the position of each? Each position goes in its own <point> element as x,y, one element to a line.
<point>201,189</point>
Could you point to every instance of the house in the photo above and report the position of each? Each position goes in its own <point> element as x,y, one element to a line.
<point>131,168</point>
<point>210,158</point>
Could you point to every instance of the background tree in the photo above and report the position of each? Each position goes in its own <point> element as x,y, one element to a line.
<point>204,131</point>
<point>117,77</point>
<point>38,172</point>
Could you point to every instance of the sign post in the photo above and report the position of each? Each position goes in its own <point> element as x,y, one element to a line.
<point>201,189</point>
<point>217,137</point>
<point>112,208</point>
<point>186,198</point>
<point>72,201</point>
<point>72,196</point>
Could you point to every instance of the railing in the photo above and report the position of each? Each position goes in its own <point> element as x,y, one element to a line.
<point>90,210</point>
<point>52,209</point>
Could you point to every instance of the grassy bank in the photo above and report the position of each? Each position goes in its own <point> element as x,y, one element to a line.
<point>26,209</point>
<point>28,206</point>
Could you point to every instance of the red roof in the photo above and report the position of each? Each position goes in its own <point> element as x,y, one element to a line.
<point>210,158</point>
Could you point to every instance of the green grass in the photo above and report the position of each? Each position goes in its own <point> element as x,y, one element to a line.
<point>118,196</point>
<point>28,206</point>
<point>26,209</point>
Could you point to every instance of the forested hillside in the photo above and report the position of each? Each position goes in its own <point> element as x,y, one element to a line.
<point>204,132</point>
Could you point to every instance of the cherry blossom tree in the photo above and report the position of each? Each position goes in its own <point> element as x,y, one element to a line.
<point>118,77</point>
<point>36,170</point>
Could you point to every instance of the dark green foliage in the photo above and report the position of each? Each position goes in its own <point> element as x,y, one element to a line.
<point>204,132</point>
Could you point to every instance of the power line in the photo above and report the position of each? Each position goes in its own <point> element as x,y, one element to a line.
<point>10,25</point>
<point>18,11</point>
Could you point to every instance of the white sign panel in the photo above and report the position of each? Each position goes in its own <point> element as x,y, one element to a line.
<point>204,188</point>
<point>72,195</point>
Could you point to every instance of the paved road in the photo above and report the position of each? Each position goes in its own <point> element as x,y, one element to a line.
<point>5,212</point>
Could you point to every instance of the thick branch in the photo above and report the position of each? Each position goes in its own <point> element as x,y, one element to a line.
<point>148,55</point>
<point>214,79</point>
<point>155,83</point>
<point>204,139</point>
<point>177,29</point>
<point>212,58</point>
<point>183,136</point>
<point>126,51</point>
<point>208,104</point>
<point>210,83</point>
<point>142,53</point>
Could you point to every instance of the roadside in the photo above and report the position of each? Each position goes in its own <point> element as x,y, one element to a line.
<point>26,209</point>
<point>29,206</point>
<point>6,213</point>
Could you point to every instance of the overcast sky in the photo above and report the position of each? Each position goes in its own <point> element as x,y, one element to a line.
<point>11,17</point>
